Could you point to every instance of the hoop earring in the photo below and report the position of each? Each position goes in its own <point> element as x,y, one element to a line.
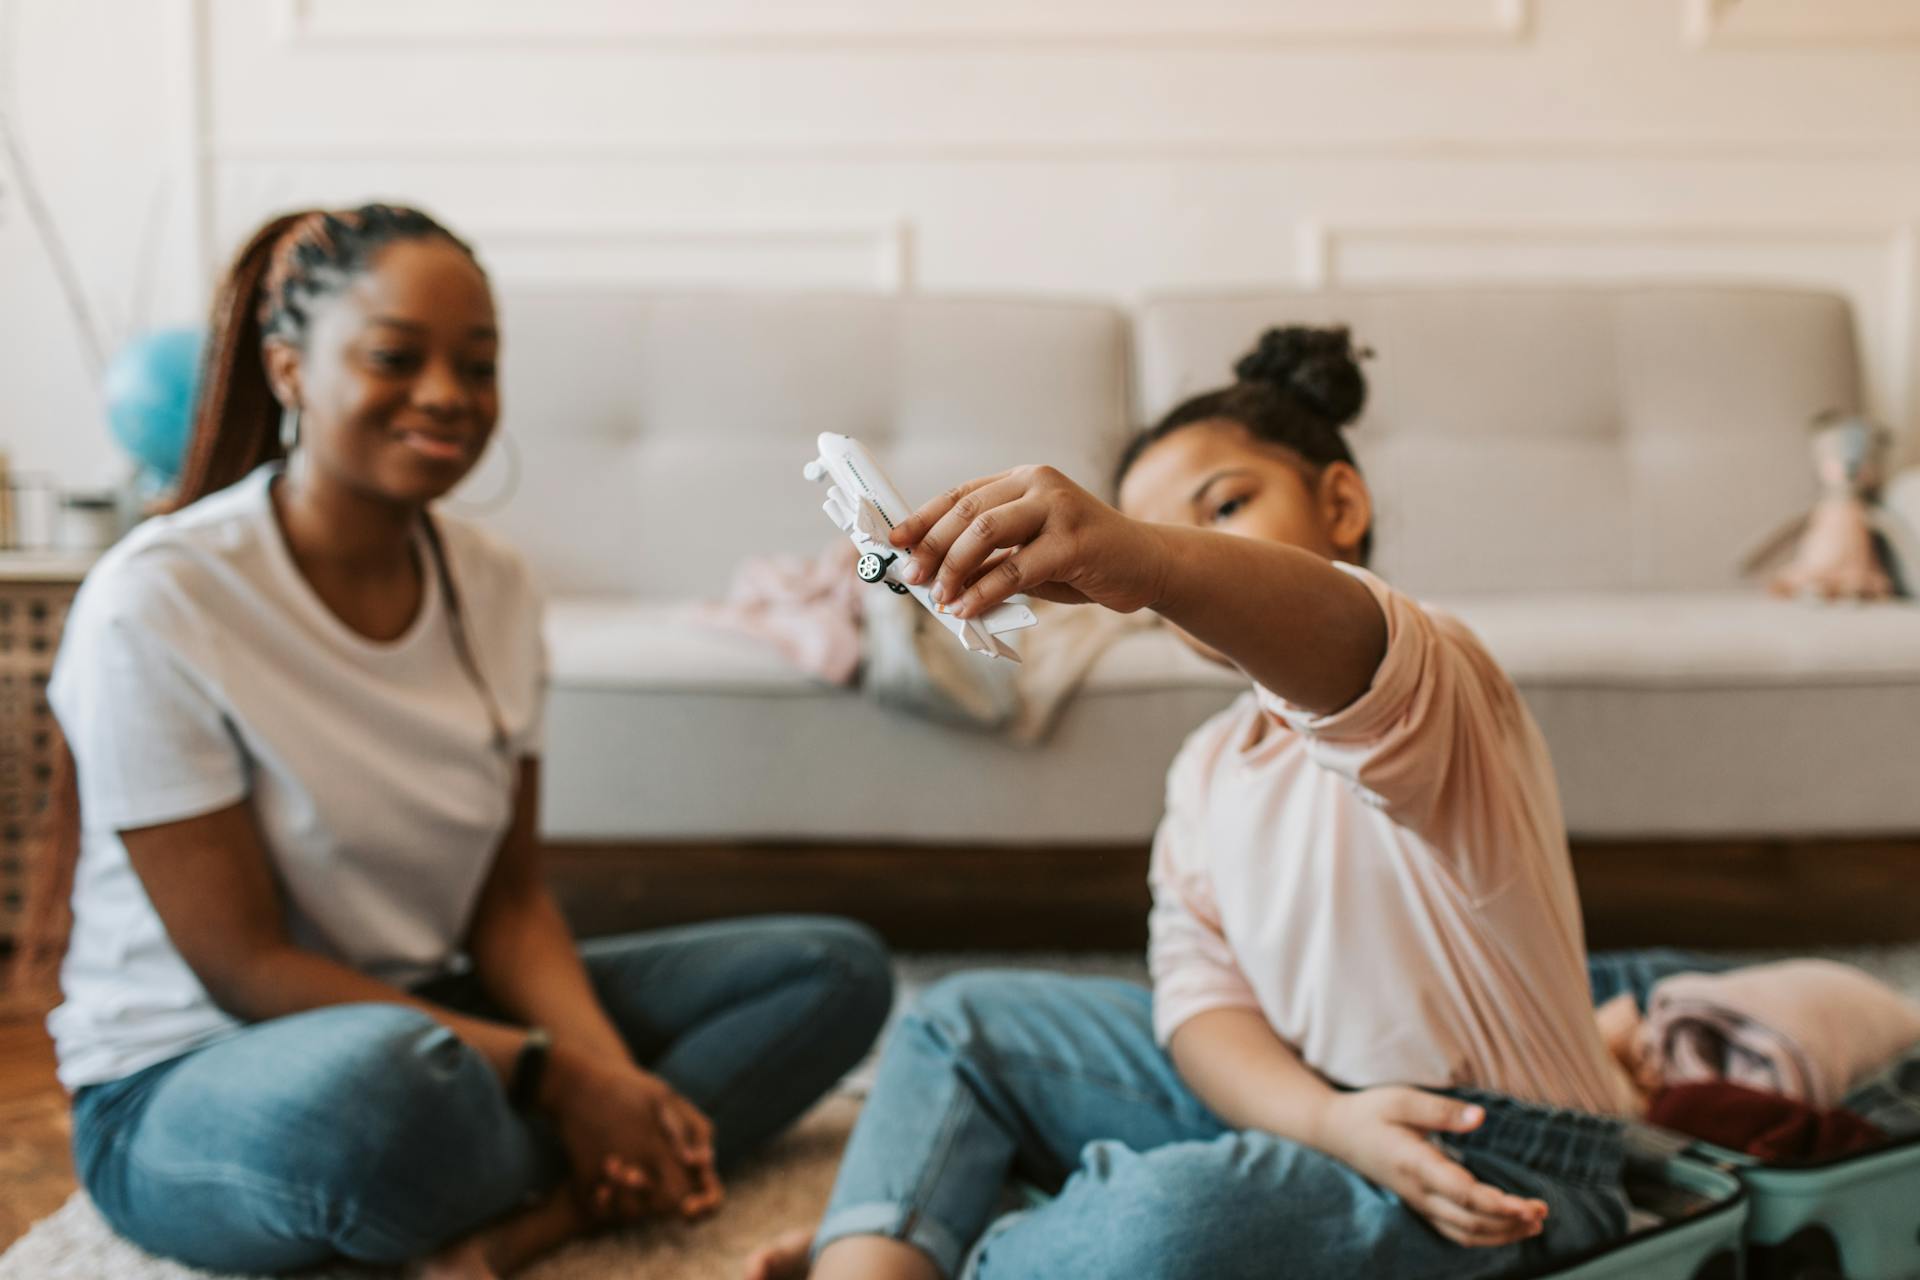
<point>289,428</point>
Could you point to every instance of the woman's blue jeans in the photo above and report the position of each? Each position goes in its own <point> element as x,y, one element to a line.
<point>1058,1082</point>
<point>371,1132</point>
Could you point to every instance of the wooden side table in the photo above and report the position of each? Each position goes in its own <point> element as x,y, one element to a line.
<point>35,590</point>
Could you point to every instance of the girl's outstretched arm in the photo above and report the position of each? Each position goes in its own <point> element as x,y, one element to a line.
<point>1306,631</point>
<point>1295,624</point>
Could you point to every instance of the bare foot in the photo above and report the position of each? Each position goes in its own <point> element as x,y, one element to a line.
<point>784,1259</point>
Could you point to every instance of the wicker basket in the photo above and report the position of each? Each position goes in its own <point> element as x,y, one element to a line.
<point>33,608</point>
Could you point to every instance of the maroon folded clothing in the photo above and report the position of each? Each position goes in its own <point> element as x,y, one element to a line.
<point>1775,1129</point>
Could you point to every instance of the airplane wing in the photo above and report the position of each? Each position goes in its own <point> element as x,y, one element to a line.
<point>855,517</point>
<point>982,634</point>
<point>867,518</point>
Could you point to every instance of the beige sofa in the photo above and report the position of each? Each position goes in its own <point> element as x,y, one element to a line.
<point>1576,472</point>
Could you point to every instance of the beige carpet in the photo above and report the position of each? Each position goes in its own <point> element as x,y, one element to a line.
<point>784,1188</point>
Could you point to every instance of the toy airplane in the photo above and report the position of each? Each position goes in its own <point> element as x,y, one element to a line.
<point>865,506</point>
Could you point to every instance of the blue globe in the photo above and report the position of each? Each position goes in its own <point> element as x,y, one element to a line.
<point>149,391</point>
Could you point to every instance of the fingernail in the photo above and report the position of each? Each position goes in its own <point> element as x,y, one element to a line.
<point>914,572</point>
<point>939,593</point>
<point>1471,1115</point>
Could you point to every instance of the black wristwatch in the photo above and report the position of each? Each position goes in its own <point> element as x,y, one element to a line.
<point>529,1068</point>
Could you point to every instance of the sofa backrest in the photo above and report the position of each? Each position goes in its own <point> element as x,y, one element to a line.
<point>1556,438</point>
<point>660,437</point>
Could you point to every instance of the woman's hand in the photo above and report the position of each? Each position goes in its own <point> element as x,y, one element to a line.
<point>1382,1134</point>
<point>637,1147</point>
<point>1030,529</point>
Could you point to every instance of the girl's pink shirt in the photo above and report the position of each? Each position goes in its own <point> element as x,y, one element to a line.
<point>1388,885</point>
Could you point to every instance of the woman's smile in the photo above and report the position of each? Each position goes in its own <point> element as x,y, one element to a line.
<point>437,444</point>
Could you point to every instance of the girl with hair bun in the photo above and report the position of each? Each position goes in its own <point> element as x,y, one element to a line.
<point>319,1002</point>
<point>1369,1048</point>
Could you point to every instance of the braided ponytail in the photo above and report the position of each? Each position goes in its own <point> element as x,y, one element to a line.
<point>234,420</point>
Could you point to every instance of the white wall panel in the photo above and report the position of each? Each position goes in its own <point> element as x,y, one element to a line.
<point>1084,147</point>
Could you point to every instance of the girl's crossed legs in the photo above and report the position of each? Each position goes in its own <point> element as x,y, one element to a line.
<point>1058,1081</point>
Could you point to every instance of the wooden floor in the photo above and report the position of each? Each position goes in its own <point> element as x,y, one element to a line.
<point>36,1170</point>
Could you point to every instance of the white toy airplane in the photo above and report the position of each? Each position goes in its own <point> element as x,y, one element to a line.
<point>866,507</point>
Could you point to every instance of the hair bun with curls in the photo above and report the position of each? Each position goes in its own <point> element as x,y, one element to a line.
<point>1319,368</point>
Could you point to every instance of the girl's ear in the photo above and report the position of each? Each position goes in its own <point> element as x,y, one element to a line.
<point>1346,508</point>
<point>282,359</point>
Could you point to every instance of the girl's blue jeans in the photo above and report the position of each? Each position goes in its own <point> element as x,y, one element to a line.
<point>368,1131</point>
<point>1057,1082</point>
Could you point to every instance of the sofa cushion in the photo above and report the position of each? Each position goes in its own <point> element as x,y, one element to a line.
<point>1554,438</point>
<point>663,728</point>
<point>1717,714</point>
<point>660,437</point>
<point>1680,639</point>
<point>1668,714</point>
<point>615,643</point>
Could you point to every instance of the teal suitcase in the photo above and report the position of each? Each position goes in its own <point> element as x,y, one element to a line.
<point>1856,1218</point>
<point>1691,1220</point>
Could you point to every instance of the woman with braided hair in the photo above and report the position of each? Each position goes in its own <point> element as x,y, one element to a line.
<point>318,1001</point>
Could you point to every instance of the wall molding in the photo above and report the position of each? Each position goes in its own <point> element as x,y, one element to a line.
<point>243,150</point>
<point>887,243</point>
<point>1706,231</point>
<point>304,25</point>
<point>1788,25</point>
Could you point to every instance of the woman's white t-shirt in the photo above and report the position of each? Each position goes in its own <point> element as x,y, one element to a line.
<point>199,669</point>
